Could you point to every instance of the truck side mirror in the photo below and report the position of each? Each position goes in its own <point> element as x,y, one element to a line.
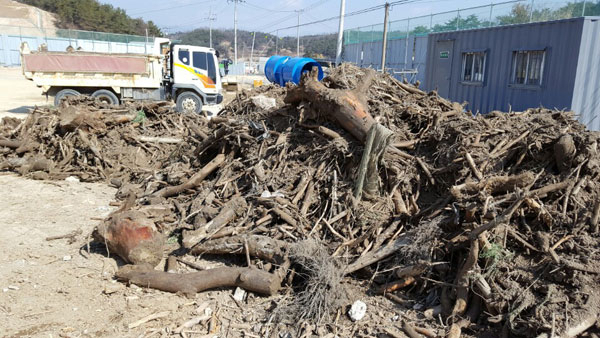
<point>217,53</point>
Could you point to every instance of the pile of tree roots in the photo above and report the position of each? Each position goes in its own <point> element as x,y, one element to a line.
<point>485,224</point>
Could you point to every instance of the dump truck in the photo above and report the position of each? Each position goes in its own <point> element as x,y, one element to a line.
<point>188,75</point>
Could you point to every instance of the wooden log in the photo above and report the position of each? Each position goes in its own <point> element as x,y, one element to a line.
<point>152,139</point>
<point>348,108</point>
<point>285,217</point>
<point>263,247</point>
<point>373,257</point>
<point>399,204</point>
<point>463,278</point>
<point>13,144</point>
<point>473,167</point>
<point>405,144</point>
<point>595,217</point>
<point>328,132</point>
<point>494,185</point>
<point>235,207</point>
<point>254,280</point>
<point>195,180</point>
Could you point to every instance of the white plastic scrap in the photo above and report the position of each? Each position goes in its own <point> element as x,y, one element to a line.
<point>263,102</point>
<point>239,294</point>
<point>357,311</point>
<point>268,194</point>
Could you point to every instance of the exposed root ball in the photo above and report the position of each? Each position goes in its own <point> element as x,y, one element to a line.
<point>322,290</point>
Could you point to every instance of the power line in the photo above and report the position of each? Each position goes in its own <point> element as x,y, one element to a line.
<point>310,16</point>
<point>361,11</point>
<point>307,8</point>
<point>279,21</point>
<point>293,15</point>
<point>267,9</point>
<point>172,7</point>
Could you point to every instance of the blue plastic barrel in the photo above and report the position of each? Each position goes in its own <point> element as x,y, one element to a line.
<point>273,68</point>
<point>293,69</point>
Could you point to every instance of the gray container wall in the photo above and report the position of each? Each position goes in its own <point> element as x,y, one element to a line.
<point>10,47</point>
<point>586,94</point>
<point>368,55</point>
<point>561,39</point>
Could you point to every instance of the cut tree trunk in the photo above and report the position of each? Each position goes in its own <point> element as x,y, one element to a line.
<point>347,107</point>
<point>131,236</point>
<point>191,283</point>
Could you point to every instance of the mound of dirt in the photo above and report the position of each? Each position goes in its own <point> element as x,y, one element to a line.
<point>35,21</point>
<point>488,222</point>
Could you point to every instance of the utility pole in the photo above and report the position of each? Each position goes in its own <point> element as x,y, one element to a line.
<point>235,2</point>
<point>252,50</point>
<point>276,40</point>
<point>385,29</point>
<point>531,12</point>
<point>340,38</point>
<point>210,19</point>
<point>298,35</point>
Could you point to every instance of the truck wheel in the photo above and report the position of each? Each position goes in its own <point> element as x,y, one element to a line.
<point>106,96</point>
<point>189,102</point>
<point>63,94</point>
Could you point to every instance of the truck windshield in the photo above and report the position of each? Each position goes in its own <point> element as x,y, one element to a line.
<point>205,61</point>
<point>212,69</point>
<point>200,60</point>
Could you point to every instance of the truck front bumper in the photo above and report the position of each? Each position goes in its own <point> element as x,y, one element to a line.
<point>214,99</point>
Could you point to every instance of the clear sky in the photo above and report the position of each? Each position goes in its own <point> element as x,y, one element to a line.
<point>269,15</point>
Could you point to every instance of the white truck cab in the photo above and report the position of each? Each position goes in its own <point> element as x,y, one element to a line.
<point>195,78</point>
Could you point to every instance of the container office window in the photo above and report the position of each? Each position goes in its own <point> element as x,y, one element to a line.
<point>528,66</point>
<point>473,66</point>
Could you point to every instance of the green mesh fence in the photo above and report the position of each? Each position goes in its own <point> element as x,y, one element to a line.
<point>498,14</point>
<point>71,34</point>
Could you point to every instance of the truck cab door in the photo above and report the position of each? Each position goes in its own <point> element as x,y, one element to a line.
<point>183,73</point>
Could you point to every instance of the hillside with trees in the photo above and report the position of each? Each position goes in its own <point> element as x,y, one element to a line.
<point>93,16</point>
<point>317,46</point>
<point>520,13</point>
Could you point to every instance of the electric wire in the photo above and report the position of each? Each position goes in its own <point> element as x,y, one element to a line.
<point>172,7</point>
<point>361,11</point>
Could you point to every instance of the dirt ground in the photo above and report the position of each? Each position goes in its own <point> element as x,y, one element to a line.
<point>55,288</point>
<point>17,95</point>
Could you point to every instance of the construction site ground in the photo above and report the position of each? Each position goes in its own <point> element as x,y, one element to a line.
<point>54,288</point>
<point>48,287</point>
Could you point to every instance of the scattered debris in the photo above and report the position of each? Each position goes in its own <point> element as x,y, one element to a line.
<point>357,311</point>
<point>488,222</point>
<point>239,294</point>
<point>148,318</point>
<point>264,103</point>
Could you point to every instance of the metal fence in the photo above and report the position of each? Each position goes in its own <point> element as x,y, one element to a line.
<point>406,57</point>
<point>407,38</point>
<point>497,14</point>
<point>11,38</point>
